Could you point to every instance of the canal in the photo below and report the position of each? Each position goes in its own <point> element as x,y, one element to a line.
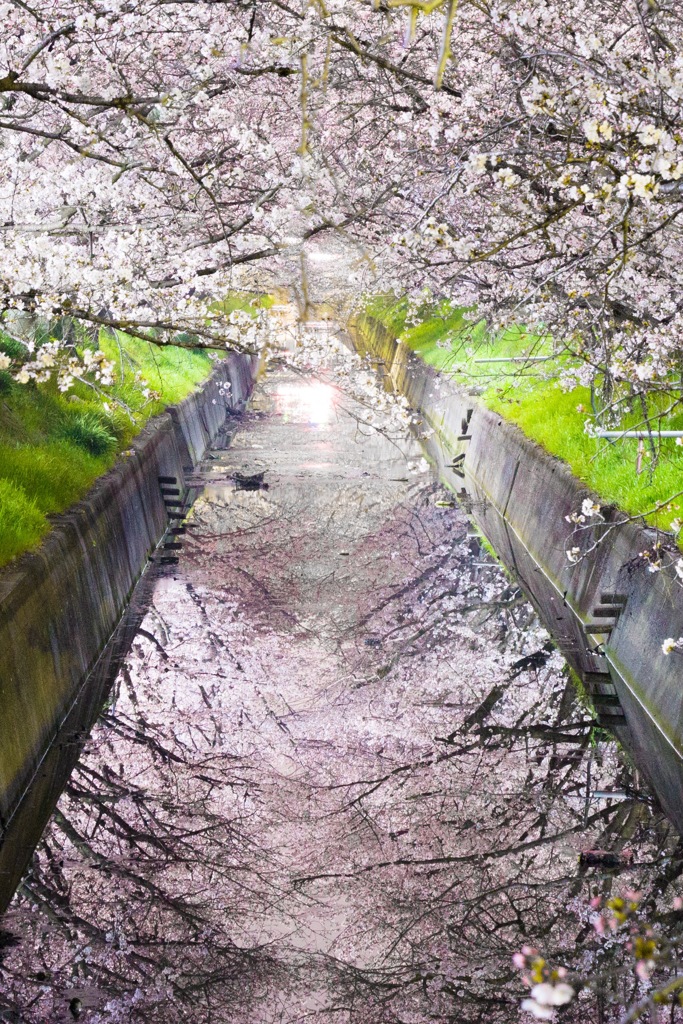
<point>342,775</point>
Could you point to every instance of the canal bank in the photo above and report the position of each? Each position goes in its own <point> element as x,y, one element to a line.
<point>608,613</point>
<point>60,604</point>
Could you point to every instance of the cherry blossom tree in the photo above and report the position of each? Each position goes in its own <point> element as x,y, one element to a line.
<point>544,186</point>
<point>517,157</point>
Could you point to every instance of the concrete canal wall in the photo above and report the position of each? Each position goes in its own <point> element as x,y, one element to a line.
<point>607,613</point>
<point>60,604</point>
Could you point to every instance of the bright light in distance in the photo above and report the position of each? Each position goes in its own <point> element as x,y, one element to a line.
<point>305,403</point>
<point>321,257</point>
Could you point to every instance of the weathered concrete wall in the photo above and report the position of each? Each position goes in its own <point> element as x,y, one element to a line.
<point>60,604</point>
<point>519,495</point>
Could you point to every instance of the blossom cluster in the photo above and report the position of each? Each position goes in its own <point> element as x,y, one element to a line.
<point>549,987</point>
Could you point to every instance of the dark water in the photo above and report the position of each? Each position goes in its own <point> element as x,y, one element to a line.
<point>343,776</point>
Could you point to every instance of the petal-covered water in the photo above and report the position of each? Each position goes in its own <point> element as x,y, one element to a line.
<point>343,775</point>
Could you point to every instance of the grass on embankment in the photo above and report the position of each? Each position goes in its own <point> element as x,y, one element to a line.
<point>529,395</point>
<point>54,446</point>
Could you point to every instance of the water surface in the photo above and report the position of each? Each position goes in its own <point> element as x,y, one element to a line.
<point>343,776</point>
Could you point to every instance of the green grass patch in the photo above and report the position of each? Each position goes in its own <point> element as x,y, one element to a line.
<point>91,432</point>
<point>527,393</point>
<point>53,446</point>
<point>20,520</point>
